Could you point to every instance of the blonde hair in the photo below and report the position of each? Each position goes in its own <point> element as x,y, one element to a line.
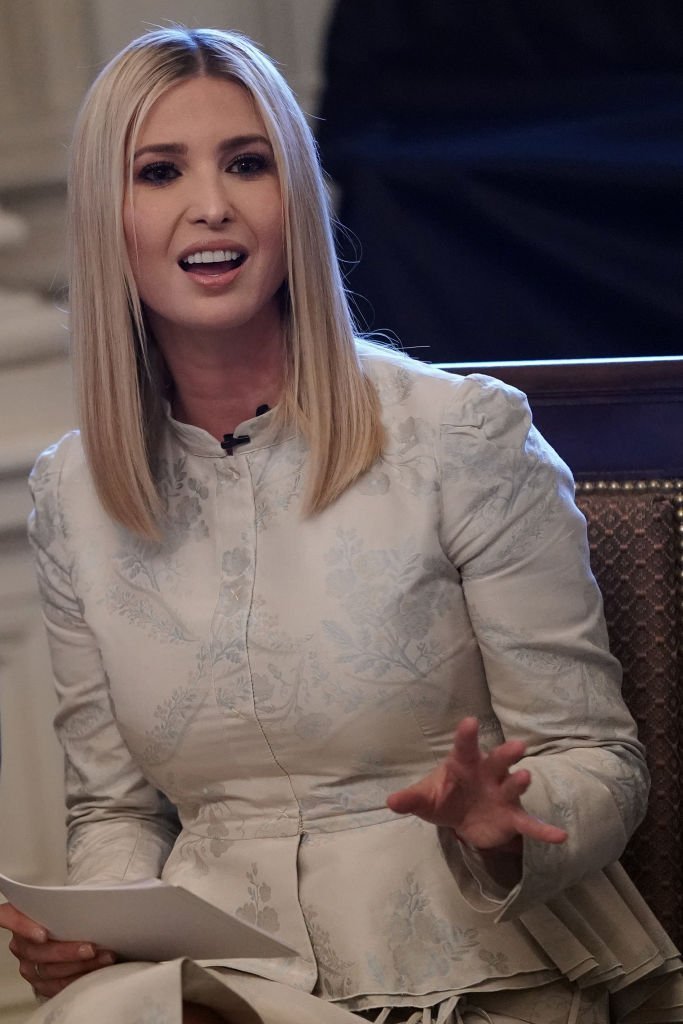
<point>327,394</point>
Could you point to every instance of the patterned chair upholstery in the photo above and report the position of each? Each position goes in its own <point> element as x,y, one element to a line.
<point>619,426</point>
<point>636,538</point>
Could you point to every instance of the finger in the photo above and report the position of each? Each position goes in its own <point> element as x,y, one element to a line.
<point>51,952</point>
<point>46,988</point>
<point>515,785</point>
<point>415,799</point>
<point>46,972</point>
<point>56,971</point>
<point>466,742</point>
<point>15,921</point>
<point>502,758</point>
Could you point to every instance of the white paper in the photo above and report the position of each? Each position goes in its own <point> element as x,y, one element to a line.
<point>148,920</point>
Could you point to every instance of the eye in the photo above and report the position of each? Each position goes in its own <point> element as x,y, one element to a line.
<point>249,164</point>
<point>161,172</point>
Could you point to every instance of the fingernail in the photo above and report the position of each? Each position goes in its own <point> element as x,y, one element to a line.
<point>86,952</point>
<point>107,958</point>
<point>38,935</point>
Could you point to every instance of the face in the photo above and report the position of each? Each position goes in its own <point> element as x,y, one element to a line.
<point>203,218</point>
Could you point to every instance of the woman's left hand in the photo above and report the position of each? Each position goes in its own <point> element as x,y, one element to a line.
<point>477,795</point>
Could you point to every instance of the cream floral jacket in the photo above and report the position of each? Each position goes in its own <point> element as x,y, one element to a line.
<point>237,702</point>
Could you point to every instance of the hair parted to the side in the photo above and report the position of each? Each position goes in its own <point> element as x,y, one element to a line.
<point>327,395</point>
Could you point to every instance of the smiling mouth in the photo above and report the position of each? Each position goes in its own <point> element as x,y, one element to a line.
<point>212,264</point>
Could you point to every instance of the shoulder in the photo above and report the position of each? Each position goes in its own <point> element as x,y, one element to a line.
<point>63,460</point>
<point>451,401</point>
<point>65,452</point>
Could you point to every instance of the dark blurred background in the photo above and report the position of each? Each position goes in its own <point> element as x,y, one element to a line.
<point>511,172</point>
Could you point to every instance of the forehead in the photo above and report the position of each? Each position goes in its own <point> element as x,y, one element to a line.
<point>202,106</point>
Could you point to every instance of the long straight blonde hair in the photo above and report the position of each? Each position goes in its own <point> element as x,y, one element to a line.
<point>327,394</point>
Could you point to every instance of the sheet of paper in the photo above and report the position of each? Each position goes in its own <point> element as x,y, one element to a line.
<point>148,920</point>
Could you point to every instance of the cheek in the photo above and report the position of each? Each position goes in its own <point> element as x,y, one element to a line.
<point>272,223</point>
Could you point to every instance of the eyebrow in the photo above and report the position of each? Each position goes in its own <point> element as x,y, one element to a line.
<point>180,149</point>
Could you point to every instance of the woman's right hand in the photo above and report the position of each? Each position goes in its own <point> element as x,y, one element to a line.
<point>47,965</point>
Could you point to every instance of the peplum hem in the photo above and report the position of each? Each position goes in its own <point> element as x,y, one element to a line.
<point>601,932</point>
<point>138,993</point>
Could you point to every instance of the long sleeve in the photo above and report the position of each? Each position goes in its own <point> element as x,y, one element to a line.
<point>537,614</point>
<point>118,825</point>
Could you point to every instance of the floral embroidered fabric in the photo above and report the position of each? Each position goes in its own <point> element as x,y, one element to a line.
<point>237,701</point>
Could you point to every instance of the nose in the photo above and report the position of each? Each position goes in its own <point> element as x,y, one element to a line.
<point>212,204</point>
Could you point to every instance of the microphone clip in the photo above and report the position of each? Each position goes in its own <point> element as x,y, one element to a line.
<point>230,442</point>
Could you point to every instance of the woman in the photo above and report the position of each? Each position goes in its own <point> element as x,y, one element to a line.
<point>278,567</point>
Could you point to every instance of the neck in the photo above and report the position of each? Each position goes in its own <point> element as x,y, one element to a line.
<point>218,383</point>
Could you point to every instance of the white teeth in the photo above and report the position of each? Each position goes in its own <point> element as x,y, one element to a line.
<point>212,256</point>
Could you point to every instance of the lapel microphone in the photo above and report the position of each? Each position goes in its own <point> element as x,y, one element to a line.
<point>230,442</point>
